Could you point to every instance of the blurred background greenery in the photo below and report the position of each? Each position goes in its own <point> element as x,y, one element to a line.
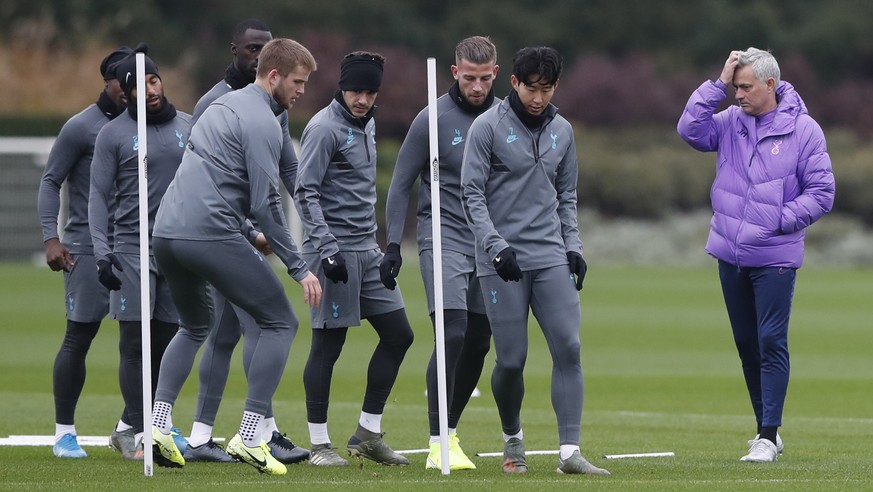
<point>630,65</point>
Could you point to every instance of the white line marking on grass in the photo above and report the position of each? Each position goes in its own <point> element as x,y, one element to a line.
<point>665,454</point>
<point>32,440</point>
<point>629,413</point>
<point>529,453</point>
<point>413,451</point>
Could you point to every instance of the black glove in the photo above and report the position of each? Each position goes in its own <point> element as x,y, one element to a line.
<point>578,267</point>
<point>507,266</point>
<point>335,268</point>
<point>390,266</point>
<point>104,272</point>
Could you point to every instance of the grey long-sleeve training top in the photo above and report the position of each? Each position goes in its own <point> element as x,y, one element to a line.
<point>336,182</point>
<point>413,161</point>
<point>115,167</point>
<point>287,162</point>
<point>70,161</point>
<point>230,170</point>
<point>519,189</point>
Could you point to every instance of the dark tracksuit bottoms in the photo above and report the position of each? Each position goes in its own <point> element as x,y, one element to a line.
<point>758,302</point>
<point>242,275</point>
<point>551,294</point>
<point>467,340</point>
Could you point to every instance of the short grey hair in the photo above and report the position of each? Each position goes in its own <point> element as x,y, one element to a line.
<point>763,64</point>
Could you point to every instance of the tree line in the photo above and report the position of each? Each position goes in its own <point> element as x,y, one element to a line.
<point>628,65</point>
<point>628,62</point>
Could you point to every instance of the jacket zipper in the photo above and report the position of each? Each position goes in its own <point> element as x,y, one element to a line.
<point>535,139</point>
<point>366,145</point>
<point>745,204</point>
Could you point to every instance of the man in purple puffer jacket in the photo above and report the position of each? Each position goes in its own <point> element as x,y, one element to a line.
<point>773,179</point>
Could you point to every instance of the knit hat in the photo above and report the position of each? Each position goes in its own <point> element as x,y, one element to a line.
<point>361,72</point>
<point>107,66</point>
<point>125,70</point>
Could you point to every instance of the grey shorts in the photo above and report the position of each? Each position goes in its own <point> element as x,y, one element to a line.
<point>86,299</point>
<point>460,285</point>
<point>363,296</point>
<point>124,304</point>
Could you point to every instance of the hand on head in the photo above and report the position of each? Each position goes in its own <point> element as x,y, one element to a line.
<point>727,73</point>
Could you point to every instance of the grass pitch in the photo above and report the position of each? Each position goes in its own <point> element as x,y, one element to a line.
<point>660,369</point>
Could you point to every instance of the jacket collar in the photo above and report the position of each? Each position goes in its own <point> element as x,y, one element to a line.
<point>789,106</point>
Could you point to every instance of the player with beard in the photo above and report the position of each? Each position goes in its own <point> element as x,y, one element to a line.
<point>115,177</point>
<point>467,333</point>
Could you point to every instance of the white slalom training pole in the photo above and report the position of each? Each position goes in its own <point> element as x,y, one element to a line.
<point>144,271</point>
<point>439,322</point>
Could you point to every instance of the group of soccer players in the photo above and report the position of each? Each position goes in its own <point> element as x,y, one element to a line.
<point>510,244</point>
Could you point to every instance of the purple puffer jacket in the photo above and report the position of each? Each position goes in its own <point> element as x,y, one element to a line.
<point>765,193</point>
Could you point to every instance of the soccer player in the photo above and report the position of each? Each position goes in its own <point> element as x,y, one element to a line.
<point>467,334</point>
<point>230,170</point>
<point>87,301</point>
<point>230,321</point>
<point>773,180</point>
<point>336,197</point>
<point>114,178</point>
<point>519,187</point>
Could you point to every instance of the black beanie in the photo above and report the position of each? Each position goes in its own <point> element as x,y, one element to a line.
<point>125,70</point>
<point>107,66</point>
<point>361,72</point>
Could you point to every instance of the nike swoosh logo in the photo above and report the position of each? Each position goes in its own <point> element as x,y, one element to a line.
<point>330,261</point>
<point>261,463</point>
<point>497,259</point>
<point>511,138</point>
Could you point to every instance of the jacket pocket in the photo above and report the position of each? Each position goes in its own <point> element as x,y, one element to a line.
<point>764,208</point>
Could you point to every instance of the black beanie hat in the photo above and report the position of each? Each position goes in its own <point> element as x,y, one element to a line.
<point>361,72</point>
<point>125,70</point>
<point>107,66</point>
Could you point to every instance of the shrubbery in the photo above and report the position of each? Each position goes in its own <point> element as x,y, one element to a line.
<point>650,173</point>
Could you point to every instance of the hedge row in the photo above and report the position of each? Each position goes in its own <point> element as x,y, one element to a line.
<point>650,173</point>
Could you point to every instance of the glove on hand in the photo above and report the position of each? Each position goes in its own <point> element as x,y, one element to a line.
<point>507,266</point>
<point>104,272</point>
<point>390,266</point>
<point>335,268</point>
<point>578,267</point>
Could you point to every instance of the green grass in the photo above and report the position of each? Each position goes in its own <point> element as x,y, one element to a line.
<point>661,375</point>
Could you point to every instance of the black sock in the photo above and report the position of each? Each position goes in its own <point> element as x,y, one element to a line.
<point>769,433</point>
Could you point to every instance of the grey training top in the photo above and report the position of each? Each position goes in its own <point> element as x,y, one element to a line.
<point>115,167</point>
<point>230,170</point>
<point>70,161</point>
<point>288,161</point>
<point>519,188</point>
<point>336,182</point>
<point>413,161</point>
